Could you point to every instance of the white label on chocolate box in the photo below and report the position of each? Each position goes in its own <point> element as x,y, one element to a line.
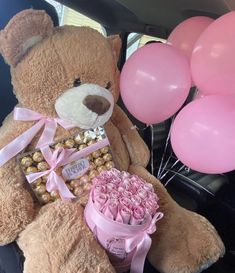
<point>75,169</point>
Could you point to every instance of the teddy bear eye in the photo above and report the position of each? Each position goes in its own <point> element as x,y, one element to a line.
<point>77,82</point>
<point>108,85</point>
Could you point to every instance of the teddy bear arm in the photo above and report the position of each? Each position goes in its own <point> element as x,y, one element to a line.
<point>138,150</point>
<point>16,203</point>
<point>58,240</point>
<point>118,147</point>
<point>11,129</point>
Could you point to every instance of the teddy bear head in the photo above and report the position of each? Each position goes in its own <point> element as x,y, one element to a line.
<point>66,71</point>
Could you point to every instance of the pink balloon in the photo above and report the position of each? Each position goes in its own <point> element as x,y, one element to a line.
<point>213,57</point>
<point>203,134</point>
<point>185,35</point>
<point>155,82</point>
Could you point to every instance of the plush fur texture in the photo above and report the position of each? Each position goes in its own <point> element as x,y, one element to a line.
<point>55,238</point>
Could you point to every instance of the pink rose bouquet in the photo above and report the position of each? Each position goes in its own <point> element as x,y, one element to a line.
<point>121,212</point>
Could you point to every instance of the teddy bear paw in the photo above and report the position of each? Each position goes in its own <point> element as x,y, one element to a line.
<point>189,244</point>
<point>58,241</point>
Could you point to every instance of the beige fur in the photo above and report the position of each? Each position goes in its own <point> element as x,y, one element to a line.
<point>55,238</point>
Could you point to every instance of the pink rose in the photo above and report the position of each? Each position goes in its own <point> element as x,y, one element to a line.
<point>100,188</point>
<point>153,196</point>
<point>125,174</point>
<point>125,202</point>
<point>152,211</point>
<point>107,212</point>
<point>152,202</point>
<point>115,172</point>
<point>148,187</point>
<point>136,200</point>
<point>152,206</point>
<point>126,184</point>
<point>120,189</point>
<point>133,189</point>
<point>116,180</point>
<point>142,193</point>
<point>110,187</point>
<point>98,180</point>
<point>138,216</point>
<point>97,190</point>
<point>135,186</point>
<point>113,207</point>
<point>114,194</point>
<point>137,179</point>
<point>124,197</point>
<point>127,194</point>
<point>149,210</point>
<point>107,176</point>
<point>123,215</point>
<point>100,200</point>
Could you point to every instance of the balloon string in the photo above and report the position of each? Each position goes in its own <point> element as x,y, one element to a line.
<point>227,4</point>
<point>134,127</point>
<point>152,142</point>
<point>163,156</point>
<point>190,180</point>
<point>165,166</point>
<point>165,150</point>
<point>170,179</point>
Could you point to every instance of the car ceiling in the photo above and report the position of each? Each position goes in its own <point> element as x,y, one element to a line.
<point>153,17</point>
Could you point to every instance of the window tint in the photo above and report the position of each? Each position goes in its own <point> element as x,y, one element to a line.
<point>136,40</point>
<point>68,16</point>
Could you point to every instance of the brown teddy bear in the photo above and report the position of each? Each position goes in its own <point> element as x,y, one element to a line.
<point>71,72</point>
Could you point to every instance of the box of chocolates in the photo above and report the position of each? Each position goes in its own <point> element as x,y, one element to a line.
<point>64,170</point>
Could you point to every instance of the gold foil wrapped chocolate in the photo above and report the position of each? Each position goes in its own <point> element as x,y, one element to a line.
<point>43,166</point>
<point>31,169</point>
<point>69,143</point>
<point>98,160</point>
<point>26,161</point>
<point>37,157</point>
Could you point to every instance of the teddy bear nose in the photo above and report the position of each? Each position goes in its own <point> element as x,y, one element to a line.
<point>97,104</point>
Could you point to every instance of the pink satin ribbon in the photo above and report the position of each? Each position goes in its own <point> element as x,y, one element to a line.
<point>22,141</point>
<point>136,236</point>
<point>58,158</point>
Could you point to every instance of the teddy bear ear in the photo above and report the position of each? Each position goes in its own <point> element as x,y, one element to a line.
<point>23,31</point>
<point>116,44</point>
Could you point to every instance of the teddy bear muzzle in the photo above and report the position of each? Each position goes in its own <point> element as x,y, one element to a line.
<point>86,106</point>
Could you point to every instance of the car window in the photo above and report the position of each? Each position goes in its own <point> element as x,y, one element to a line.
<point>136,40</point>
<point>68,16</point>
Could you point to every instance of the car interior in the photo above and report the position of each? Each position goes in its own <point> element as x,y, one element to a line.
<point>211,195</point>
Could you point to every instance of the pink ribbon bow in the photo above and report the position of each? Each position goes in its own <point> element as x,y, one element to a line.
<point>22,141</point>
<point>58,158</point>
<point>136,237</point>
<point>55,159</point>
<point>142,242</point>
